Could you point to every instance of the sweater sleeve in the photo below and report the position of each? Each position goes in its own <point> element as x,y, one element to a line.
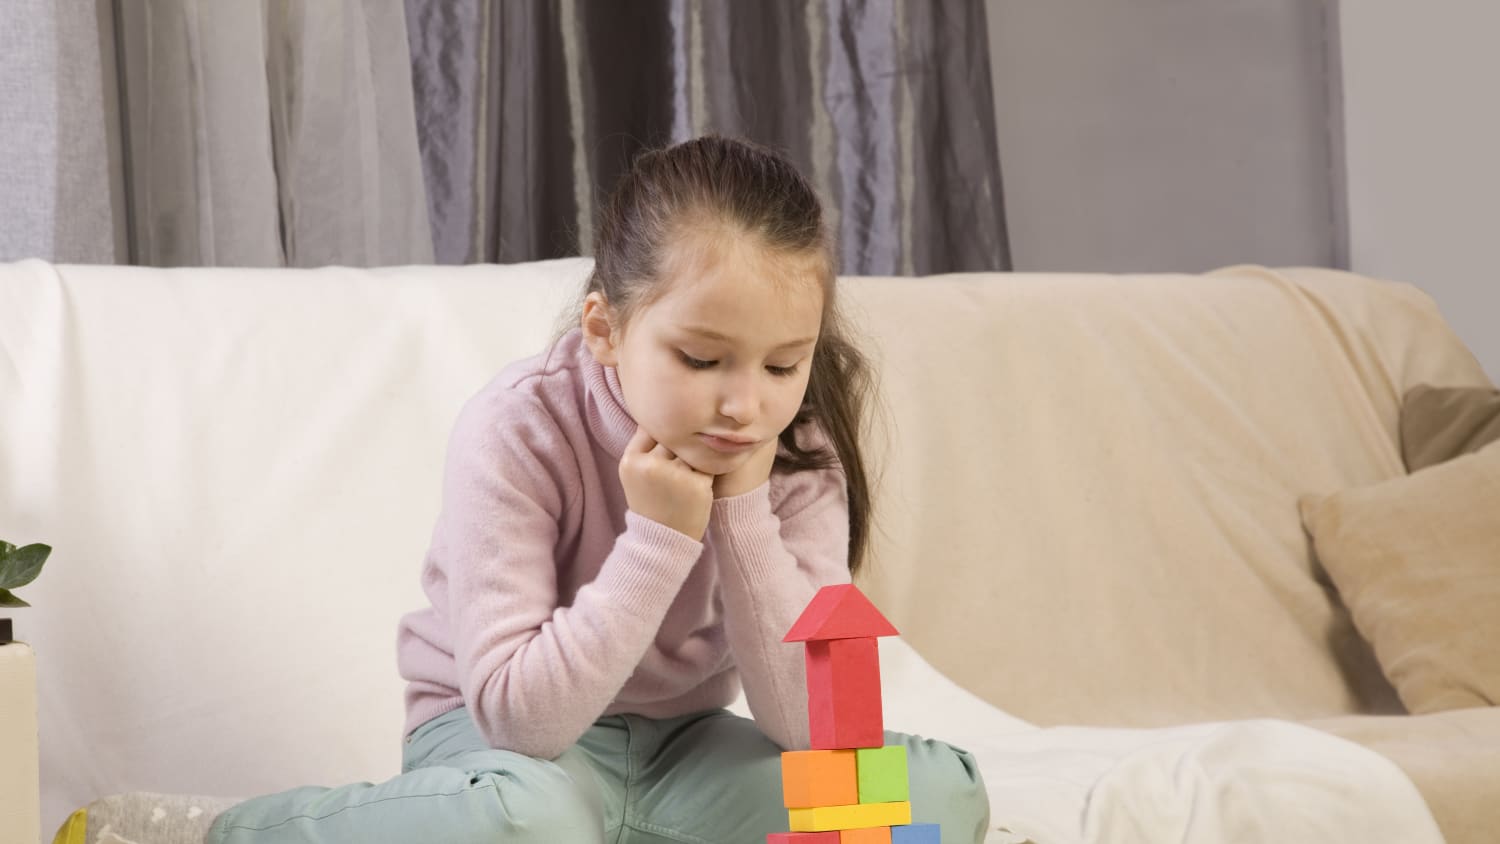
<point>772,561</point>
<point>534,674</point>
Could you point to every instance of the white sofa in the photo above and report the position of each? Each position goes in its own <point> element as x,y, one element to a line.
<point>1086,510</point>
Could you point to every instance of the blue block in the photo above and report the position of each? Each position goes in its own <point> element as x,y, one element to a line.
<point>917,833</point>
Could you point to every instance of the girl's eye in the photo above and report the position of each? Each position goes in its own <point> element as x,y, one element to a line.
<point>783,371</point>
<point>696,363</point>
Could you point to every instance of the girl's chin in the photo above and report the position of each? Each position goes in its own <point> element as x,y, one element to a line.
<point>710,462</point>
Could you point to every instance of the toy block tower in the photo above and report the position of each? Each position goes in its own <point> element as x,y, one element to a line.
<point>849,788</point>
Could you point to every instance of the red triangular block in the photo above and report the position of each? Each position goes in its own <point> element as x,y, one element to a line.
<point>839,612</point>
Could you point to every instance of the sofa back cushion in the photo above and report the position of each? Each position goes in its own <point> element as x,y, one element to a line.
<point>1089,507</point>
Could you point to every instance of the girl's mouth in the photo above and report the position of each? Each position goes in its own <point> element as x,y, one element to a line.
<point>727,446</point>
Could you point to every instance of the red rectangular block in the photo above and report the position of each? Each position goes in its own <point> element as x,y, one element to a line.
<point>843,694</point>
<point>803,837</point>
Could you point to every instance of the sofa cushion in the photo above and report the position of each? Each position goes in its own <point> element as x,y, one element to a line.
<point>1452,757</point>
<point>1417,560</point>
<point>1441,423</point>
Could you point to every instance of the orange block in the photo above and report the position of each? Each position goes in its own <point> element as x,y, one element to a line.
<point>869,835</point>
<point>843,694</point>
<point>819,778</point>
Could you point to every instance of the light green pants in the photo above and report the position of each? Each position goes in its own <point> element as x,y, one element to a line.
<point>705,778</point>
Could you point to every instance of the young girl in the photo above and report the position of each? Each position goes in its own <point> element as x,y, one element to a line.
<point>631,522</point>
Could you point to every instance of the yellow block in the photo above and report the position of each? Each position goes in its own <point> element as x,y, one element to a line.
<point>858,816</point>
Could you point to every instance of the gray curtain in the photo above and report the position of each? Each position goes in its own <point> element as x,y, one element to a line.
<point>267,133</point>
<point>59,175</point>
<point>528,111</point>
<point>28,131</point>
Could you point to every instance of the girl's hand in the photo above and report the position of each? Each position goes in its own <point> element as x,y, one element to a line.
<point>664,489</point>
<point>754,472</point>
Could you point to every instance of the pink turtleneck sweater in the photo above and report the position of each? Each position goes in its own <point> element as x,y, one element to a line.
<point>552,604</point>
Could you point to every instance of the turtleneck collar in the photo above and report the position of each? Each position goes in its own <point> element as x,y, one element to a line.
<point>609,421</point>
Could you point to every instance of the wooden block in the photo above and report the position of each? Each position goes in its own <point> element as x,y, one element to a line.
<point>820,818</point>
<point>868,835</point>
<point>803,838</point>
<point>843,694</point>
<point>839,612</point>
<point>819,778</point>
<point>917,833</point>
<point>882,774</point>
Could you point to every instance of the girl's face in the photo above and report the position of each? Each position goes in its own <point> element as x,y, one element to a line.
<point>717,364</point>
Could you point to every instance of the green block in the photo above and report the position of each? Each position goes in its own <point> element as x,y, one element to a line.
<point>882,774</point>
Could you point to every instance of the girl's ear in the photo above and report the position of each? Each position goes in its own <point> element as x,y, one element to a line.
<point>599,334</point>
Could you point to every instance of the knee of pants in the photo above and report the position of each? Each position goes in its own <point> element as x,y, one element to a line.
<point>947,788</point>
<point>546,806</point>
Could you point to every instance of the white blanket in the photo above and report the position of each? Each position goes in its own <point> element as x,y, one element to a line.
<point>1241,781</point>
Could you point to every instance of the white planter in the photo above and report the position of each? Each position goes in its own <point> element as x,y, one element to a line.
<point>20,794</point>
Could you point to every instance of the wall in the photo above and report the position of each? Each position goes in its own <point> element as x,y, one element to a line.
<point>1162,135</point>
<point>1422,127</point>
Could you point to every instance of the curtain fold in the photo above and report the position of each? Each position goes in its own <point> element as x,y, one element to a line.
<point>269,133</point>
<point>28,130</point>
<point>529,111</point>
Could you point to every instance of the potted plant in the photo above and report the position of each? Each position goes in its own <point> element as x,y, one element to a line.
<point>18,567</point>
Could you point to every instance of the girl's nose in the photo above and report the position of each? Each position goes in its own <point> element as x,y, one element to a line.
<point>740,401</point>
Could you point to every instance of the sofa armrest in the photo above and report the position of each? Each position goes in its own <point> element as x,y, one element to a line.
<point>20,791</point>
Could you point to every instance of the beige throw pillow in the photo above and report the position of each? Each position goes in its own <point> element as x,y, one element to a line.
<point>1441,423</point>
<point>1417,561</point>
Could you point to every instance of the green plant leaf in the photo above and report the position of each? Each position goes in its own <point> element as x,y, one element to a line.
<point>21,566</point>
<point>6,548</point>
<point>9,600</point>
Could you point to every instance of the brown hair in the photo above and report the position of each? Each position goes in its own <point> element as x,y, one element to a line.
<point>716,181</point>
